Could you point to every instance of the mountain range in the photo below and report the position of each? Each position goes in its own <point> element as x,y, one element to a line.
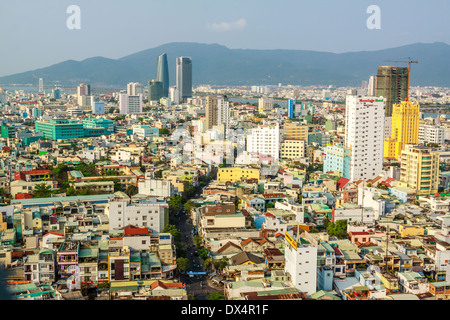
<point>215,64</point>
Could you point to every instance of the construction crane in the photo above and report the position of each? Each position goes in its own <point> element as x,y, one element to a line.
<point>409,71</point>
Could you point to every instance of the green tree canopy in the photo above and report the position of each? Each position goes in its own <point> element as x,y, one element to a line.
<point>42,190</point>
<point>183,264</point>
<point>338,229</point>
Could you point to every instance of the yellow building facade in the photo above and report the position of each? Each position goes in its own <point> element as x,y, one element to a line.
<point>419,169</point>
<point>404,130</point>
<point>295,130</point>
<point>293,149</point>
<point>236,174</point>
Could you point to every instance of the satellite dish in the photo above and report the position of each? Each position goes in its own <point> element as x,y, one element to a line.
<point>73,282</point>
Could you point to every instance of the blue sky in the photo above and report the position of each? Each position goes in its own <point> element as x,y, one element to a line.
<point>34,34</point>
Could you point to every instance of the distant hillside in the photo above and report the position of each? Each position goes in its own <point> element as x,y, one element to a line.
<point>217,65</point>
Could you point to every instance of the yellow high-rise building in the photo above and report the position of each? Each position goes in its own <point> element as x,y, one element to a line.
<point>420,169</point>
<point>405,128</point>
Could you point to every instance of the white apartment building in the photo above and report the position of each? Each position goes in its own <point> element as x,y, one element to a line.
<point>369,197</point>
<point>387,127</point>
<point>156,187</point>
<point>431,134</point>
<point>174,95</point>
<point>265,140</point>
<point>301,264</point>
<point>98,107</point>
<point>274,224</point>
<point>135,88</point>
<point>130,104</point>
<point>265,103</point>
<point>125,156</point>
<point>151,214</point>
<point>356,214</point>
<point>364,134</point>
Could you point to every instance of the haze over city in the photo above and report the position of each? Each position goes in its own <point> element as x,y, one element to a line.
<point>35,35</point>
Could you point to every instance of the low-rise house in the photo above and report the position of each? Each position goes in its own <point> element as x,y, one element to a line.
<point>413,282</point>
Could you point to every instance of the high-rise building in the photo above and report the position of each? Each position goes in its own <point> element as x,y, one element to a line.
<point>135,88</point>
<point>41,85</point>
<point>217,112</point>
<point>162,73</point>
<point>56,94</point>
<point>155,90</point>
<point>295,130</point>
<point>130,104</point>
<point>98,107</point>
<point>184,77</point>
<point>364,135</point>
<point>265,103</point>
<point>292,149</point>
<point>265,140</point>
<point>291,108</point>
<point>404,128</point>
<point>174,95</point>
<point>337,158</point>
<point>84,90</point>
<point>3,96</point>
<point>301,264</point>
<point>371,87</point>
<point>420,168</point>
<point>392,84</point>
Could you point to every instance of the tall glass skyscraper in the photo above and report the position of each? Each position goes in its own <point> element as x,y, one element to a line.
<point>162,73</point>
<point>184,77</point>
<point>155,90</point>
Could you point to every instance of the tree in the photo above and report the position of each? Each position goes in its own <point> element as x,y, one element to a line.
<point>215,296</point>
<point>338,229</point>
<point>221,264</point>
<point>158,174</point>
<point>189,205</point>
<point>207,263</point>
<point>183,264</point>
<point>170,228</point>
<point>42,190</point>
<point>198,241</point>
<point>175,204</point>
<point>88,170</point>
<point>131,190</point>
<point>164,131</point>
<point>203,253</point>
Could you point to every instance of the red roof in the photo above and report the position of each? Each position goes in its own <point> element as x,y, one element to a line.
<point>163,285</point>
<point>54,233</point>
<point>361,233</point>
<point>342,182</point>
<point>36,172</point>
<point>136,231</point>
<point>23,196</point>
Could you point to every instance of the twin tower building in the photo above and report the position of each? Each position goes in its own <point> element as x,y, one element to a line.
<point>160,88</point>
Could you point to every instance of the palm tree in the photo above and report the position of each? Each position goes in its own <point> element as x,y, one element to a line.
<point>42,190</point>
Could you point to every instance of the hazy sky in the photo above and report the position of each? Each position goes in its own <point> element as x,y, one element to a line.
<point>34,34</point>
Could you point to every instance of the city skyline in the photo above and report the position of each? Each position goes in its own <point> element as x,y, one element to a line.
<point>325,26</point>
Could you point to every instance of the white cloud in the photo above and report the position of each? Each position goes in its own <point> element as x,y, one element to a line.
<point>227,26</point>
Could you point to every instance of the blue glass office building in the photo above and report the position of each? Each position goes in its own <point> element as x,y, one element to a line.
<point>162,73</point>
<point>291,108</point>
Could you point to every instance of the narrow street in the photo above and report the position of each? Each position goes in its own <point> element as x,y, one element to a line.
<point>198,286</point>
